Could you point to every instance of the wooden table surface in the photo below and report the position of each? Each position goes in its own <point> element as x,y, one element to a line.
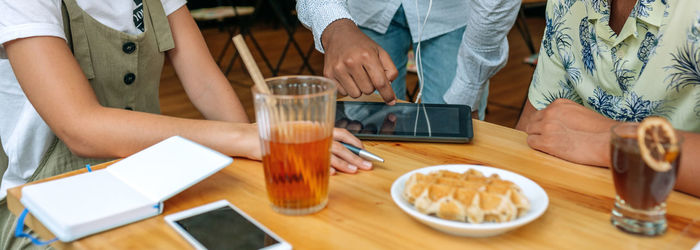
<point>361,214</point>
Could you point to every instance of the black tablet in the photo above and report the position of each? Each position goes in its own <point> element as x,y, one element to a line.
<point>406,121</point>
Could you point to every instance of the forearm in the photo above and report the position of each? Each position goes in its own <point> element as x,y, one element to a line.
<point>112,133</point>
<point>689,168</point>
<point>525,116</point>
<point>205,84</point>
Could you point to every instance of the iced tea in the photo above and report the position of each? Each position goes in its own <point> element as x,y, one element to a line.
<point>640,186</point>
<point>295,122</point>
<point>642,189</point>
<point>297,166</point>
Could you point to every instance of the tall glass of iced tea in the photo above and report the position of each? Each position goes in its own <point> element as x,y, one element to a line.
<point>296,125</point>
<point>645,161</point>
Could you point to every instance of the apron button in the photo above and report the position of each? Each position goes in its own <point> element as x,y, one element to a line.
<point>129,78</point>
<point>129,47</point>
<point>128,108</point>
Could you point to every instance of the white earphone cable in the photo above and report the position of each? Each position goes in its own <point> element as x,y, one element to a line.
<point>419,67</point>
<point>418,59</point>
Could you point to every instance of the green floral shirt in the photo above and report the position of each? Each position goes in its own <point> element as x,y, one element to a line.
<point>652,68</point>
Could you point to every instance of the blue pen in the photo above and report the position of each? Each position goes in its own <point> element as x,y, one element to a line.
<point>363,153</point>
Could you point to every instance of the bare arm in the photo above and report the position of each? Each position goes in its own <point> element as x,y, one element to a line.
<point>57,88</point>
<point>525,116</point>
<point>575,133</point>
<point>202,79</point>
<point>689,171</point>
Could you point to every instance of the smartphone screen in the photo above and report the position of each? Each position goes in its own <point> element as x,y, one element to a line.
<point>405,121</point>
<point>224,228</point>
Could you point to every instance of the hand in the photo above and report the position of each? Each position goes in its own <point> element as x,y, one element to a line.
<point>356,127</point>
<point>388,125</point>
<point>342,159</point>
<point>572,132</point>
<point>356,62</point>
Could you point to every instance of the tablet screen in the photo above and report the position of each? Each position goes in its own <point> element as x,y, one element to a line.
<point>224,228</point>
<point>404,119</point>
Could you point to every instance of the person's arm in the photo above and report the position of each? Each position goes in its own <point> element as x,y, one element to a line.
<point>57,88</point>
<point>357,63</point>
<point>569,131</point>
<point>205,84</point>
<point>212,94</point>
<point>575,133</point>
<point>689,168</point>
<point>483,51</point>
<point>551,86</point>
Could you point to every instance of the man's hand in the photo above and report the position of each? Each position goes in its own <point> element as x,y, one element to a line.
<point>569,131</point>
<point>357,63</point>
<point>354,126</point>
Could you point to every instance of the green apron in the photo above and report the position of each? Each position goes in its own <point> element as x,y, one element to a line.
<point>124,71</point>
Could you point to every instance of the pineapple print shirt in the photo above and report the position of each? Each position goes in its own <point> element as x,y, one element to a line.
<point>651,68</point>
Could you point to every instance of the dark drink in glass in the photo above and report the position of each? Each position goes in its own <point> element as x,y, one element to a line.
<point>641,190</point>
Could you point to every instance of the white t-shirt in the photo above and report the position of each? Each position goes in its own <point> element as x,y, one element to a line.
<point>24,135</point>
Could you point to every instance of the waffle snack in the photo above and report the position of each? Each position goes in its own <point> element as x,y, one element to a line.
<point>468,196</point>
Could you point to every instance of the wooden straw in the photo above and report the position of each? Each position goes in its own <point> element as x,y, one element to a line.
<point>277,114</point>
<point>250,64</point>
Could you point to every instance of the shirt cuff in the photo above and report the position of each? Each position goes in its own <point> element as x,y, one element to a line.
<point>464,94</point>
<point>28,30</point>
<point>324,15</point>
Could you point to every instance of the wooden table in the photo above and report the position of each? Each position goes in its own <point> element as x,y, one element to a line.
<point>362,215</point>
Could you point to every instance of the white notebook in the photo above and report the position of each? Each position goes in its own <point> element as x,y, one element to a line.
<point>127,191</point>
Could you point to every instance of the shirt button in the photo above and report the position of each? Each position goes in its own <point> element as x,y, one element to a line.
<point>128,108</point>
<point>129,47</point>
<point>129,78</point>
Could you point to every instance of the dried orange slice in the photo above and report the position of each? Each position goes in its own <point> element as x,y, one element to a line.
<point>658,144</point>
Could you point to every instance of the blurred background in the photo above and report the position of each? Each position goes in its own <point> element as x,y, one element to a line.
<point>282,46</point>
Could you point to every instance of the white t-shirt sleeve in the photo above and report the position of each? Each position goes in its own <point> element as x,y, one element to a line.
<point>28,18</point>
<point>171,6</point>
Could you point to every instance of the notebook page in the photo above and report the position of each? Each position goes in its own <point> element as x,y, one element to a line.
<point>168,167</point>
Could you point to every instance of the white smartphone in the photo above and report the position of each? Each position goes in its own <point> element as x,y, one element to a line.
<point>221,225</point>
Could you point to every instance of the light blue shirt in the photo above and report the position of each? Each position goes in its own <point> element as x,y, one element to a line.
<point>484,47</point>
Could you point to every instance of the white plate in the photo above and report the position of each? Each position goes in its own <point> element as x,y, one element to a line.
<point>534,193</point>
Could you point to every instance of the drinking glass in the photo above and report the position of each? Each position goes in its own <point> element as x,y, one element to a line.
<point>296,123</point>
<point>640,203</point>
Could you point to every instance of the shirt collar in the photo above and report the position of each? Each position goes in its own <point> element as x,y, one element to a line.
<point>647,11</point>
<point>597,10</point>
<point>650,11</point>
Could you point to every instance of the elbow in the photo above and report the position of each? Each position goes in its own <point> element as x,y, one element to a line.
<point>79,138</point>
<point>76,143</point>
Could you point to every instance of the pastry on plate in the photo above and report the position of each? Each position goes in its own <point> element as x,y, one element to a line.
<point>469,196</point>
